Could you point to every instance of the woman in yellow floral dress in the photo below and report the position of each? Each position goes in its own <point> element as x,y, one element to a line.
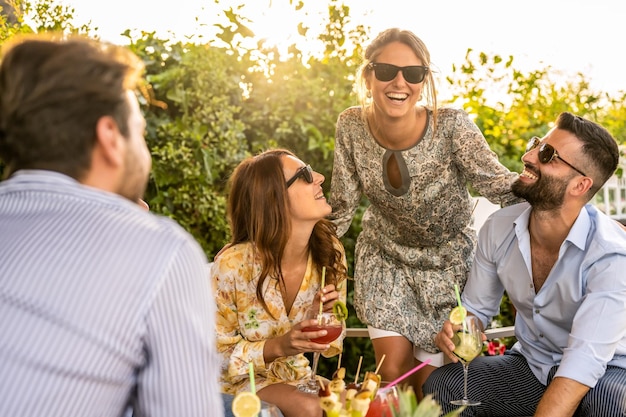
<point>270,275</point>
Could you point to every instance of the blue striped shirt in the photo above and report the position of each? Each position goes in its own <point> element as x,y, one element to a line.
<point>102,304</point>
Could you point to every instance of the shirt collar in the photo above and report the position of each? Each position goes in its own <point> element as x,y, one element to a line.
<point>577,234</point>
<point>40,175</point>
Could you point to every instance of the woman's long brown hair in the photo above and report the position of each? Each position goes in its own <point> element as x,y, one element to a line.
<point>258,211</point>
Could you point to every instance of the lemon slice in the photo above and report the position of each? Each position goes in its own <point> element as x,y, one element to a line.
<point>246,404</point>
<point>458,314</point>
<point>340,310</point>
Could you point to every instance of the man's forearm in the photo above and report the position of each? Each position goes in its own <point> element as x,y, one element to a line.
<point>561,398</point>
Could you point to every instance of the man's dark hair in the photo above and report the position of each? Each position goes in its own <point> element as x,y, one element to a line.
<point>599,147</point>
<point>53,91</point>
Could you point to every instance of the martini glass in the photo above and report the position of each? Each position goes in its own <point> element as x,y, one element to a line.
<point>468,344</point>
<point>325,321</point>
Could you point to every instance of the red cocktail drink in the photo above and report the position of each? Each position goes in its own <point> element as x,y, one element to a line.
<point>333,333</point>
<point>383,404</point>
<point>324,320</point>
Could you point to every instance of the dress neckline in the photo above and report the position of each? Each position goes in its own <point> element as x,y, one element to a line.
<point>412,145</point>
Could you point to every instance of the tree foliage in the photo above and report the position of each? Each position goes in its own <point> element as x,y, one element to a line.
<point>25,16</point>
<point>511,106</point>
<point>194,131</point>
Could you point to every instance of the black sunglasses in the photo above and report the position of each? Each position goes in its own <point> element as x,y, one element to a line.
<point>413,74</point>
<point>305,172</point>
<point>547,153</point>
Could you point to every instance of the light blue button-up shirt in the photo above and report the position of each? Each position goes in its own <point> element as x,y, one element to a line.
<point>578,317</point>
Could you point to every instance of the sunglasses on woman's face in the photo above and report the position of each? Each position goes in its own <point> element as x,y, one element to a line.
<point>305,172</point>
<point>413,74</point>
<point>547,153</point>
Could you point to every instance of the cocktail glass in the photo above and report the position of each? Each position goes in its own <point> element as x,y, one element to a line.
<point>468,344</point>
<point>325,321</point>
<point>384,404</point>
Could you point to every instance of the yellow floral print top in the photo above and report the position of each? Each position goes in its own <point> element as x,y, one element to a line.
<point>243,325</point>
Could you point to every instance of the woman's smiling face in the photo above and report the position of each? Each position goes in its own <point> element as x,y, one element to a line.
<point>306,200</point>
<point>397,97</point>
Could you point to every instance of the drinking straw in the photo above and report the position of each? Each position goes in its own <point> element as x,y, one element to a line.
<point>458,301</point>
<point>358,369</point>
<point>475,204</point>
<point>251,372</point>
<point>382,359</point>
<point>323,279</point>
<point>412,371</point>
<point>458,296</point>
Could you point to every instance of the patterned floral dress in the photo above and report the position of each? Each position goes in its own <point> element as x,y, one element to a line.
<point>416,241</point>
<point>243,325</point>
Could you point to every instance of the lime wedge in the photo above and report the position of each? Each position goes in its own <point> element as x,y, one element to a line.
<point>457,315</point>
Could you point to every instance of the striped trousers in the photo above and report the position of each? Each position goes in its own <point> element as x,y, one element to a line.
<point>506,387</point>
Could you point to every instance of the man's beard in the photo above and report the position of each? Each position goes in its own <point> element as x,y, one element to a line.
<point>135,177</point>
<point>545,194</point>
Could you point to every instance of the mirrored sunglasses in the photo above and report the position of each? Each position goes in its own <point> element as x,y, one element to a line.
<point>413,74</point>
<point>547,153</point>
<point>305,172</point>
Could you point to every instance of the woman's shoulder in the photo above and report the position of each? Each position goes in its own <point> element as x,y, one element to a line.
<point>351,113</point>
<point>237,253</point>
<point>454,121</point>
<point>451,113</point>
<point>235,262</point>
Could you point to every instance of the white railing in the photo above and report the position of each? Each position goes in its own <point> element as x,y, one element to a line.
<point>611,198</point>
<point>493,333</point>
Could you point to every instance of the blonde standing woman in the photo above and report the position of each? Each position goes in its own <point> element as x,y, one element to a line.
<point>413,162</point>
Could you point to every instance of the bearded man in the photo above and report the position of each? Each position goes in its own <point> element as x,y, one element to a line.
<point>562,264</point>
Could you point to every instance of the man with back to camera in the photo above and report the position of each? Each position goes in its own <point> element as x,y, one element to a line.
<point>562,264</point>
<point>102,304</point>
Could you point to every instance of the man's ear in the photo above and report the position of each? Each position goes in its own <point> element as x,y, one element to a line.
<point>109,141</point>
<point>583,184</point>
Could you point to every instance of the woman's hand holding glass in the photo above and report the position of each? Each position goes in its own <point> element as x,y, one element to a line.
<point>309,335</point>
<point>295,341</point>
<point>332,327</point>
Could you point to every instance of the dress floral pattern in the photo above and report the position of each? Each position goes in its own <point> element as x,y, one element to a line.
<point>416,241</point>
<point>243,325</point>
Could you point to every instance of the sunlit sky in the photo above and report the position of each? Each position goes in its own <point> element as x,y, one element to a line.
<point>569,35</point>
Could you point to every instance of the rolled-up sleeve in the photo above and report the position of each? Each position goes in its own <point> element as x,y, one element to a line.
<point>599,326</point>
